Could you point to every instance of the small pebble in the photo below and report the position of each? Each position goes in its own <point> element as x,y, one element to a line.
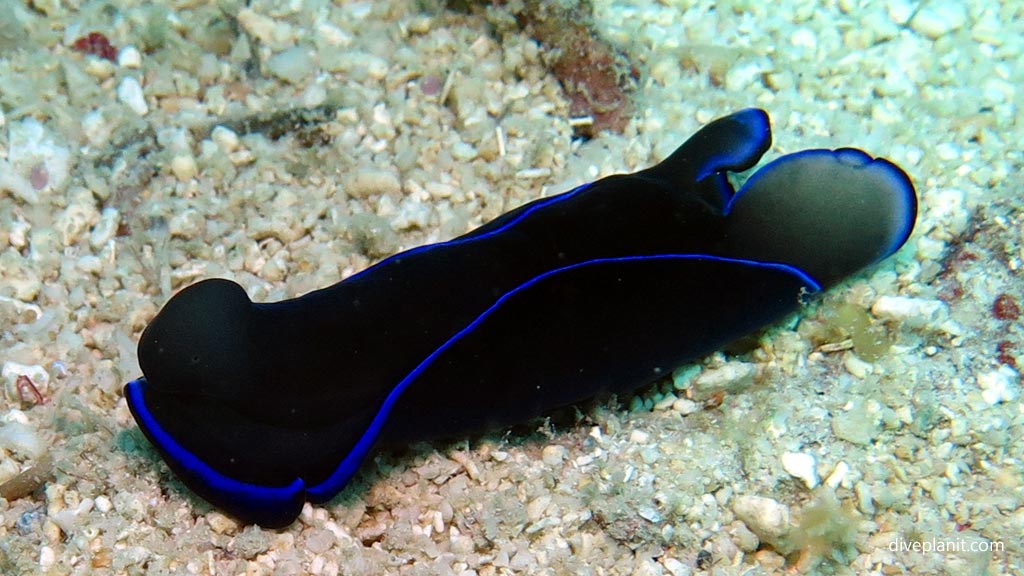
<point>1000,385</point>
<point>675,567</point>
<point>18,233</point>
<point>184,167</point>
<point>221,524</point>
<point>767,518</point>
<point>292,65</point>
<point>554,454</point>
<point>742,536</point>
<point>36,373</point>
<point>96,128</point>
<point>47,558</point>
<point>912,312</point>
<point>682,378</point>
<point>129,92</point>
<point>858,424</point>
<point>258,25</point>
<point>685,406</point>
<point>838,475</point>
<point>105,229</point>
<point>129,57</point>
<point>900,11</point>
<point>729,377</point>
<point>411,214</point>
<point>21,439</point>
<point>801,466</point>
<point>99,69</point>
<point>225,138</point>
<point>939,17</point>
<point>371,182</point>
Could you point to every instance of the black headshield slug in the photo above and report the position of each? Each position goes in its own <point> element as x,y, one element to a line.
<point>260,406</point>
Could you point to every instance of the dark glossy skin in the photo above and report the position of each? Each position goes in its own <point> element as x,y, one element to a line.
<point>603,289</point>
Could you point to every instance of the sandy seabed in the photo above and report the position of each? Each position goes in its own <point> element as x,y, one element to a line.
<point>824,455</point>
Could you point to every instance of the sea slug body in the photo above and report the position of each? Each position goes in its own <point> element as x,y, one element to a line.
<point>259,407</point>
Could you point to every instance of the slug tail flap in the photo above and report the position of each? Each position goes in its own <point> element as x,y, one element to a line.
<point>732,143</point>
<point>828,212</point>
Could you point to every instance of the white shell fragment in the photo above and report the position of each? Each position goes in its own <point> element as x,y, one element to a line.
<point>801,466</point>
<point>936,19</point>
<point>21,439</point>
<point>912,312</point>
<point>838,475</point>
<point>129,92</point>
<point>129,57</point>
<point>729,377</point>
<point>1001,385</point>
<point>39,376</point>
<point>767,518</point>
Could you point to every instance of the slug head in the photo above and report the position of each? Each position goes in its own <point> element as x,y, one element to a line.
<point>199,342</point>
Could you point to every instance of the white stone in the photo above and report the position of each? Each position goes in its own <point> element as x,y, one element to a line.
<point>333,35</point>
<point>729,377</point>
<point>17,184</point>
<point>949,207</point>
<point>1001,385</point>
<point>221,524</point>
<point>412,214</point>
<point>99,68</point>
<point>900,11</point>
<point>804,38</point>
<point>96,128</point>
<point>801,466</point>
<point>31,146</point>
<point>129,57</point>
<point>47,558</point>
<point>554,454</point>
<point>18,234</point>
<point>676,568</point>
<point>767,518</point>
<point>939,17</point>
<point>36,373</point>
<point>187,224</point>
<point>685,406</point>
<point>90,263</point>
<point>263,27</point>
<point>129,92</point>
<point>105,229</point>
<point>912,312</point>
<point>837,476</point>
<point>25,311</point>
<point>371,182</point>
<point>292,65</point>
<point>73,221</point>
<point>857,367</point>
<point>225,138</point>
<point>21,439</point>
<point>666,71</point>
<point>184,167</point>
<point>739,78</point>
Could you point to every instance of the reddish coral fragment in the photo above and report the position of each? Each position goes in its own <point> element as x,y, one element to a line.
<point>27,390</point>
<point>1005,307</point>
<point>1005,349</point>
<point>596,78</point>
<point>97,44</point>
